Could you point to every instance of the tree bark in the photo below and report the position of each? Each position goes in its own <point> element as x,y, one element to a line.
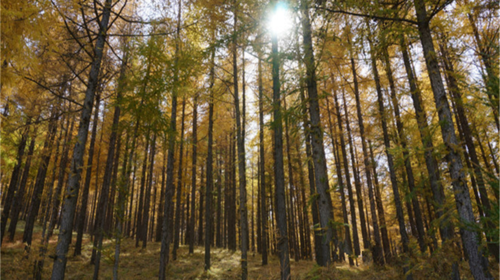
<point>262,169</point>
<point>19,197</point>
<point>14,179</point>
<point>165,235</point>
<point>459,183</point>
<point>71,197</point>
<point>193,174</point>
<point>318,151</point>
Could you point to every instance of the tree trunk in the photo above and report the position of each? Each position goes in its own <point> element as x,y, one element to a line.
<point>36,197</point>
<point>193,174</point>
<point>318,151</point>
<point>103,198</point>
<point>179,186</point>
<point>262,169</point>
<point>459,183</point>
<point>336,154</point>
<point>392,171</point>
<point>14,179</point>
<point>279,175</point>
<point>77,160</point>
<point>406,154</point>
<point>18,199</point>
<point>147,202</point>
<point>88,176</point>
<point>165,235</point>
<point>471,148</point>
<point>209,182</point>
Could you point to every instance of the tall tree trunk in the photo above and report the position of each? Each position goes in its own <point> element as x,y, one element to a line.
<point>62,175</point>
<point>147,202</point>
<point>336,154</point>
<point>209,182</point>
<point>193,174</point>
<point>406,154</point>
<point>426,139</point>
<point>357,186</point>
<point>392,171</point>
<point>262,169</point>
<point>240,139</point>
<point>459,183</point>
<point>377,249</point>
<point>122,198</point>
<point>140,209</point>
<point>179,186</point>
<point>165,235</point>
<point>18,199</point>
<point>159,217</point>
<point>14,179</point>
<point>71,197</point>
<point>471,148</point>
<point>88,176</point>
<point>291,188</point>
<point>36,197</point>
<point>380,207</point>
<point>318,151</point>
<point>355,245</point>
<point>279,174</point>
<point>103,198</point>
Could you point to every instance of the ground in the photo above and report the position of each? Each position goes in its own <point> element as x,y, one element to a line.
<point>137,263</point>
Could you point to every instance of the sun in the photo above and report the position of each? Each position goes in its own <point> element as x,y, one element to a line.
<point>280,20</point>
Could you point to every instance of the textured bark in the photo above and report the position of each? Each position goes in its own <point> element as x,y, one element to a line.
<point>13,180</point>
<point>19,197</point>
<point>179,186</point>
<point>318,151</point>
<point>392,171</point>
<point>380,208</point>
<point>147,198</point>
<point>357,183</point>
<point>426,139</point>
<point>62,175</point>
<point>459,183</point>
<point>122,198</point>
<point>340,180</point>
<point>165,235</point>
<point>377,248</point>
<point>241,161</point>
<point>159,217</point>
<point>36,196</point>
<point>71,196</point>
<point>218,233</point>
<point>201,195</point>
<point>209,182</point>
<point>310,169</point>
<point>262,170</point>
<point>294,244</point>
<point>103,198</point>
<point>279,173</point>
<point>357,186</point>
<point>193,174</point>
<point>88,177</point>
<point>406,154</point>
<point>471,148</point>
<point>140,209</point>
<point>353,225</point>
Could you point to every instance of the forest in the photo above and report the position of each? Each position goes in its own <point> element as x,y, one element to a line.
<point>249,139</point>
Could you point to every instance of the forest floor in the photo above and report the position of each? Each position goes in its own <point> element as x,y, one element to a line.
<point>137,263</point>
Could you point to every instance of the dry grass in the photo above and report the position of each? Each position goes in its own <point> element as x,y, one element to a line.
<point>136,263</point>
